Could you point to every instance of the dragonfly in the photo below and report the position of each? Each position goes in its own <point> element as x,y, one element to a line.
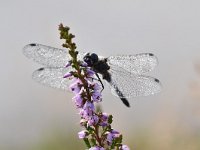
<point>126,74</point>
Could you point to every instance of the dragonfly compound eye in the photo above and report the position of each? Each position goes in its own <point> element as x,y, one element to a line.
<point>94,58</point>
<point>88,60</point>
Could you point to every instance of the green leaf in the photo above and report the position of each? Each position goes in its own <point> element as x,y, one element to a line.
<point>87,143</point>
<point>93,141</point>
<point>110,119</point>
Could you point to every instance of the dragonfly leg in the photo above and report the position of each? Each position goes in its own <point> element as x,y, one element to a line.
<point>100,81</point>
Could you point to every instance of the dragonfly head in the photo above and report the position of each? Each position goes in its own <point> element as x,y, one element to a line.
<point>91,59</point>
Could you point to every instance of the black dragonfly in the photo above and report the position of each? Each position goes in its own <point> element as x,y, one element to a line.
<point>124,73</point>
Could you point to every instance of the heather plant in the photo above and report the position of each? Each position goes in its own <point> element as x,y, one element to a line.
<point>97,131</point>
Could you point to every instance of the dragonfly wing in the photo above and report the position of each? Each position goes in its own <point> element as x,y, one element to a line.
<point>133,85</point>
<point>53,77</point>
<point>137,64</point>
<point>47,55</point>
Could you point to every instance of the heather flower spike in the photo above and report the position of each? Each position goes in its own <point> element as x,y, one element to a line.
<point>97,132</point>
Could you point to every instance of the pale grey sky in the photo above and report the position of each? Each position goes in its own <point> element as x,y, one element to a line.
<point>169,29</point>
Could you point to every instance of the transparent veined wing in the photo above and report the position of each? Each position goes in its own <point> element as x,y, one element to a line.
<point>47,55</point>
<point>133,85</point>
<point>137,64</point>
<point>53,77</point>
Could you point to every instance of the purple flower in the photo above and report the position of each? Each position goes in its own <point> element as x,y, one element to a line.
<point>96,86</point>
<point>68,64</point>
<point>96,148</point>
<point>75,87</point>
<point>82,134</point>
<point>104,120</point>
<point>125,147</point>
<point>111,136</point>
<point>114,132</point>
<point>96,96</point>
<point>87,111</point>
<point>104,116</point>
<point>93,120</point>
<point>83,64</point>
<point>89,73</point>
<point>78,100</point>
<point>88,105</point>
<point>67,75</point>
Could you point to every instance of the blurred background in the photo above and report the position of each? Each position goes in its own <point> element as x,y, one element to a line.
<point>34,117</point>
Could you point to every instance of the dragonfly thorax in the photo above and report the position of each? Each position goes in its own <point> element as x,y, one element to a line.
<point>91,59</point>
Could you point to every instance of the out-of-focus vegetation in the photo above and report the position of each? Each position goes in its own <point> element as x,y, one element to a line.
<point>178,139</point>
<point>139,141</point>
<point>59,140</point>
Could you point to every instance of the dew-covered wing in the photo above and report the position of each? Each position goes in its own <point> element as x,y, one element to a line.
<point>137,64</point>
<point>131,85</point>
<point>47,55</point>
<point>52,77</point>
